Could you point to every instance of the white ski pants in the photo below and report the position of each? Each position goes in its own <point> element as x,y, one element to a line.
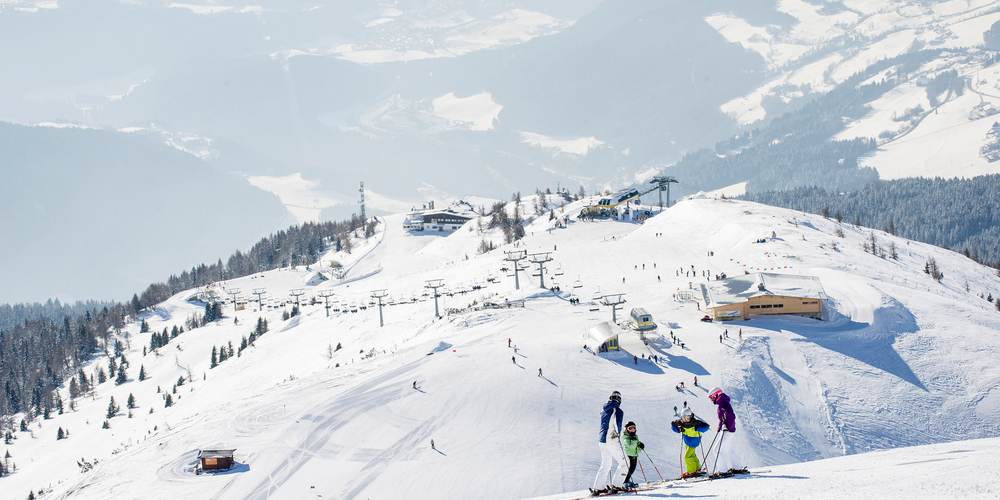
<point>611,451</point>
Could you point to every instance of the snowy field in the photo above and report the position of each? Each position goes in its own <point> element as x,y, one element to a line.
<point>827,44</point>
<point>901,360</point>
<point>905,473</point>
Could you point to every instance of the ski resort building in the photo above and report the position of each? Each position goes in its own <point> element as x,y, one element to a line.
<point>643,320</point>
<point>602,337</point>
<point>439,220</point>
<point>216,459</point>
<point>760,294</point>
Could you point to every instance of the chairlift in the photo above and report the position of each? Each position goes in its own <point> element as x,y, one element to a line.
<point>559,270</point>
<point>577,284</point>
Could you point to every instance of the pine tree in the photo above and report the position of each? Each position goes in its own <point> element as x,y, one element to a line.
<point>121,378</point>
<point>24,425</point>
<point>215,358</point>
<point>113,408</point>
<point>60,435</point>
<point>131,401</point>
<point>142,373</point>
<point>168,402</point>
<point>74,389</point>
<point>180,381</point>
<point>59,403</point>
<point>107,425</point>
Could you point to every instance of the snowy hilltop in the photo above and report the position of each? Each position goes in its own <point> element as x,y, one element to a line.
<point>502,395</point>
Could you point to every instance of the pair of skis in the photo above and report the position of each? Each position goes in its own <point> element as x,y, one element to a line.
<point>618,490</point>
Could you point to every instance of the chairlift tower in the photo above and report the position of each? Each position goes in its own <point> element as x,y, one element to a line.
<point>295,294</point>
<point>614,301</point>
<point>234,293</point>
<point>540,259</point>
<point>434,285</point>
<point>379,295</point>
<point>326,294</point>
<point>663,182</point>
<point>515,257</point>
<point>361,191</point>
<point>260,292</point>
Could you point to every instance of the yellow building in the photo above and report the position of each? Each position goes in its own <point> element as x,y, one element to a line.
<point>759,294</point>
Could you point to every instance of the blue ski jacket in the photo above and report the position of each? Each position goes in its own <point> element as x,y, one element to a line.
<point>610,408</point>
<point>690,431</point>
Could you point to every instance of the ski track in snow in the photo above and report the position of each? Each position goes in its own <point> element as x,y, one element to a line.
<point>899,360</point>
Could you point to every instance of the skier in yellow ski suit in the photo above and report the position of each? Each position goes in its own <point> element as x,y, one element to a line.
<point>690,428</point>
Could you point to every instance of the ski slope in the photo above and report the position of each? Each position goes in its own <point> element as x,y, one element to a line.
<point>962,469</point>
<point>900,361</point>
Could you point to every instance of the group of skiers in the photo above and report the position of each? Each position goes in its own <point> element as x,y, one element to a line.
<point>621,446</point>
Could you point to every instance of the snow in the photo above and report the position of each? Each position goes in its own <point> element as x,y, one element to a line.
<point>946,143</point>
<point>973,470</point>
<point>577,146</point>
<point>450,35</point>
<point>300,196</point>
<point>902,359</point>
<point>738,289</point>
<point>825,45</point>
<point>475,112</point>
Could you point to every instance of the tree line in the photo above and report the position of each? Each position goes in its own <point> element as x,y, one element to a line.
<point>959,214</point>
<point>44,345</point>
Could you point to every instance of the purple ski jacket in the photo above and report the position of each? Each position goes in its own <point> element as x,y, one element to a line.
<point>726,416</point>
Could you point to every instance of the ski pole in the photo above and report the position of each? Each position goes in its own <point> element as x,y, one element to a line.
<point>651,462</point>
<point>621,447</point>
<point>643,472</point>
<point>704,455</point>
<point>719,451</point>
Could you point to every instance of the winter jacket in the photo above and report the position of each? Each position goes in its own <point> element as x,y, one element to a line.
<point>727,417</point>
<point>610,408</point>
<point>690,431</point>
<point>632,444</point>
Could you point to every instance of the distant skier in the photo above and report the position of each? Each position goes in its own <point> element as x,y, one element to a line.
<point>690,428</point>
<point>696,381</point>
<point>414,384</point>
<point>632,445</point>
<point>611,448</point>
<point>635,359</point>
<point>432,445</point>
<point>513,360</point>
<point>508,341</point>
<point>539,372</point>
<point>727,417</point>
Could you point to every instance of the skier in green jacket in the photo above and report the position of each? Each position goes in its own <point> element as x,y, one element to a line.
<point>632,446</point>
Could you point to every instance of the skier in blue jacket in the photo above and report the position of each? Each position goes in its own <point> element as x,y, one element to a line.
<point>611,448</point>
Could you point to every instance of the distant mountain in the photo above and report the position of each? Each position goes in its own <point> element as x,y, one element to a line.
<point>99,214</point>
<point>460,96</point>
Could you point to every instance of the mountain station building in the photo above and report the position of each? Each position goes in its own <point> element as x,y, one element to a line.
<point>764,294</point>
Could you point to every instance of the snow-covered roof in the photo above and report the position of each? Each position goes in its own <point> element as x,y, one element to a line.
<point>741,288</point>
<point>601,332</point>
<point>216,453</point>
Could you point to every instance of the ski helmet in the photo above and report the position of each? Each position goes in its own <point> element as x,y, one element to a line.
<point>616,397</point>
<point>687,414</point>
<point>714,393</point>
<point>629,424</point>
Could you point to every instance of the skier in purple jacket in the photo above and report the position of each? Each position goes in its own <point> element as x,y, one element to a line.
<point>727,418</point>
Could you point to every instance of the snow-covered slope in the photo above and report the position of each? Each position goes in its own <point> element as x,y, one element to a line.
<point>815,47</point>
<point>962,469</point>
<point>901,360</point>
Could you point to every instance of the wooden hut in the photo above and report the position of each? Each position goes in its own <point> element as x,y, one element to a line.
<point>216,459</point>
